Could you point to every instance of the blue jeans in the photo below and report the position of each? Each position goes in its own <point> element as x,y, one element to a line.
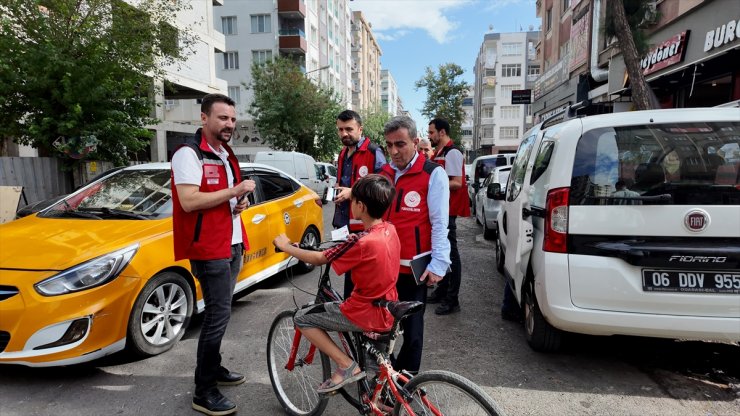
<point>217,280</point>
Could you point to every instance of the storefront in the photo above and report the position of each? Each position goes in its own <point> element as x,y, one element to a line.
<point>695,60</point>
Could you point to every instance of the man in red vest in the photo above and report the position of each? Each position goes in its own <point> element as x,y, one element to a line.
<point>420,213</point>
<point>208,197</point>
<point>452,160</point>
<point>357,158</point>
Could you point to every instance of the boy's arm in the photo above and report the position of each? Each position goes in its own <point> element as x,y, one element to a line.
<point>314,257</point>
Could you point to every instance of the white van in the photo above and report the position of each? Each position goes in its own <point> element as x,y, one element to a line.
<point>626,223</point>
<point>479,170</point>
<point>298,165</point>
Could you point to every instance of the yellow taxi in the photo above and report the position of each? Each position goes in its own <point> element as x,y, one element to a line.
<point>95,273</point>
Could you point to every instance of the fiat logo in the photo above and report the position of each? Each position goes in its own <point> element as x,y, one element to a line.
<point>696,220</point>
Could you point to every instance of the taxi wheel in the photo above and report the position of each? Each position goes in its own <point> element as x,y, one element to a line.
<point>310,237</point>
<point>160,314</point>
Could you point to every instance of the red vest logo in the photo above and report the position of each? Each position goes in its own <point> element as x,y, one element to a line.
<point>412,199</point>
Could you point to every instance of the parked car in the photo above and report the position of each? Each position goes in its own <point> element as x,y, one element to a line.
<point>487,208</point>
<point>328,172</point>
<point>658,255</point>
<point>298,165</point>
<point>481,167</point>
<point>96,273</point>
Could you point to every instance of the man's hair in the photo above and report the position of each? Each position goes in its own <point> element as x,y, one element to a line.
<point>348,115</point>
<point>441,124</point>
<point>208,101</point>
<point>376,192</point>
<point>425,140</point>
<point>620,184</point>
<point>401,122</point>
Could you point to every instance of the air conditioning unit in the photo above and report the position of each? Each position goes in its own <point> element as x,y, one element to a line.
<point>169,104</point>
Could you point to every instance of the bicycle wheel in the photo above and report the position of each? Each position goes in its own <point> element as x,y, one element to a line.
<point>445,393</point>
<point>295,389</point>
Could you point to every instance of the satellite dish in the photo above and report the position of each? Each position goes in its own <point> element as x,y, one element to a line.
<point>490,28</point>
<point>531,28</point>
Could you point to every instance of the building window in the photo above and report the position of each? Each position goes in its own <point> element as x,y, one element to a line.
<point>261,56</point>
<point>487,112</point>
<point>228,25</point>
<point>511,70</point>
<point>548,19</point>
<point>261,23</point>
<point>488,132</point>
<point>510,112</point>
<point>231,60</point>
<point>235,94</point>
<point>507,89</point>
<point>314,35</point>
<point>533,70</point>
<point>509,133</point>
<point>511,49</point>
<point>490,72</point>
<point>566,4</point>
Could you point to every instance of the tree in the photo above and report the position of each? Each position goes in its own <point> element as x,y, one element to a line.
<point>291,112</point>
<point>633,44</point>
<point>445,94</point>
<point>373,124</point>
<point>76,76</point>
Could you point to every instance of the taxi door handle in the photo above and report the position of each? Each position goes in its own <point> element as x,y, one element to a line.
<point>258,218</point>
<point>298,203</point>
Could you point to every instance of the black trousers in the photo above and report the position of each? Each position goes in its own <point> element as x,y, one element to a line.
<point>409,357</point>
<point>449,288</point>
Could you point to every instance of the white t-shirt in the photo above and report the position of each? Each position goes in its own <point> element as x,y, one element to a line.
<point>188,169</point>
<point>454,163</point>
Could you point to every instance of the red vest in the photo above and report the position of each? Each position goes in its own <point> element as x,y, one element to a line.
<point>206,234</point>
<point>409,213</point>
<point>459,200</point>
<point>363,163</point>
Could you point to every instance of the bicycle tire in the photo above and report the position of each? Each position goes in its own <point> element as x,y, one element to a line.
<point>448,394</point>
<point>296,389</point>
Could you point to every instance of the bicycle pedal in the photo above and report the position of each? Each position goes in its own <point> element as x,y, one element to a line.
<point>329,394</point>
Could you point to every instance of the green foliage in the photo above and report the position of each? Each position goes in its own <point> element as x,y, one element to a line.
<point>445,94</point>
<point>373,124</point>
<point>292,113</point>
<point>636,10</point>
<point>76,76</point>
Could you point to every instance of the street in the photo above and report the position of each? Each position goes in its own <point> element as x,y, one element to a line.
<point>591,376</point>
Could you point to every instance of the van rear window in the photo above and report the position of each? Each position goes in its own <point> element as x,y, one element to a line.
<point>676,164</point>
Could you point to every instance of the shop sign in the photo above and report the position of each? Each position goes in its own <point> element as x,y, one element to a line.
<point>521,97</point>
<point>579,36</point>
<point>554,76</point>
<point>723,35</point>
<point>668,53</point>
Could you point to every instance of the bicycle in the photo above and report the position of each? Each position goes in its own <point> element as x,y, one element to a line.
<point>295,372</point>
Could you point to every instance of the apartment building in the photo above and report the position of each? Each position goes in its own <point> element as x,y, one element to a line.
<point>695,47</point>
<point>314,33</point>
<point>506,62</point>
<point>365,64</point>
<point>466,128</point>
<point>388,93</point>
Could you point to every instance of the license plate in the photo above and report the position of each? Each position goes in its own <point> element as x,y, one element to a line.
<point>691,281</point>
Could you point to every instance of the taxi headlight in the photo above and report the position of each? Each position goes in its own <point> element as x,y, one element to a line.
<point>89,274</point>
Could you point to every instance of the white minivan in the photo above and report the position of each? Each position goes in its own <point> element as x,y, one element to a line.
<point>298,165</point>
<point>626,223</point>
<point>479,170</point>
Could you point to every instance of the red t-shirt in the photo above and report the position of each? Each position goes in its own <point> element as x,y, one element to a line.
<point>374,256</point>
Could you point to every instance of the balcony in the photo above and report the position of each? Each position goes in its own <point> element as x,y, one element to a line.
<point>292,9</point>
<point>488,100</point>
<point>486,121</point>
<point>486,141</point>
<point>292,41</point>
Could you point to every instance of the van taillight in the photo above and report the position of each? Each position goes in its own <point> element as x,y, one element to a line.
<point>318,202</point>
<point>556,221</point>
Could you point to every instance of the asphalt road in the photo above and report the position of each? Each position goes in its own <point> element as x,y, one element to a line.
<point>591,376</point>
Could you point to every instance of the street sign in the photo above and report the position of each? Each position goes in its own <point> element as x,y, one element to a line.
<point>521,97</point>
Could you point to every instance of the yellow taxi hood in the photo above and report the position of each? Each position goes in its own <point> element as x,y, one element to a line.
<point>57,244</point>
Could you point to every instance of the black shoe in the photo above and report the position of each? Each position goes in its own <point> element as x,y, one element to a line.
<point>512,316</point>
<point>446,309</point>
<point>230,378</point>
<point>434,298</point>
<point>214,403</point>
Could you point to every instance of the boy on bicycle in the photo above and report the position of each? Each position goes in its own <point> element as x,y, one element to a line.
<point>373,256</point>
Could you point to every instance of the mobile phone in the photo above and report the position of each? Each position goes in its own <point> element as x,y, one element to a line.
<point>330,194</point>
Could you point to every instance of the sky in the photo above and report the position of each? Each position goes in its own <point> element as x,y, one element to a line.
<point>415,34</point>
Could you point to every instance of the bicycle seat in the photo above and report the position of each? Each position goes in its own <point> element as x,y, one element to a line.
<point>400,309</point>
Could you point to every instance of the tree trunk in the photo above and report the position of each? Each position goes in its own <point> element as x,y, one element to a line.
<point>641,93</point>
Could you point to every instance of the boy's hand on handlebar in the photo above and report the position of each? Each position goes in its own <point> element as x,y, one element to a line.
<point>281,241</point>
<point>430,278</point>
